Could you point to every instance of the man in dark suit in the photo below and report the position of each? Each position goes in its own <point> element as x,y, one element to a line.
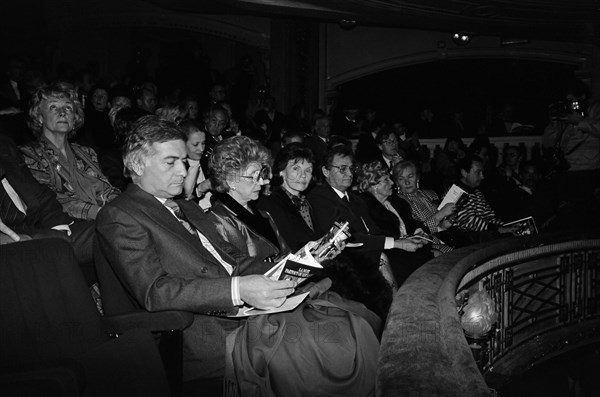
<point>29,210</point>
<point>319,141</point>
<point>333,200</point>
<point>216,119</point>
<point>169,256</point>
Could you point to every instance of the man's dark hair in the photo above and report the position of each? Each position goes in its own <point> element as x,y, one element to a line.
<point>466,163</point>
<point>146,131</point>
<point>339,150</point>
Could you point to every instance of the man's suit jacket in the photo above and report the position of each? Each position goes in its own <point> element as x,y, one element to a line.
<point>43,209</point>
<point>164,267</point>
<point>286,216</point>
<point>328,206</point>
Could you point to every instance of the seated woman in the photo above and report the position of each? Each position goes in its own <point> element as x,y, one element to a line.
<point>239,168</point>
<point>422,202</point>
<point>70,170</point>
<point>393,216</point>
<point>268,365</point>
<point>287,204</point>
<point>196,186</point>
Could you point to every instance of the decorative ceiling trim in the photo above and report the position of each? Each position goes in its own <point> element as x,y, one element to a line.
<point>457,54</point>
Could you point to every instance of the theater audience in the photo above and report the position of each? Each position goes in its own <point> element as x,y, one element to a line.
<point>196,186</point>
<point>169,256</point>
<point>111,161</point>
<point>475,213</point>
<point>319,141</point>
<point>287,204</point>
<point>215,120</point>
<point>70,170</point>
<point>387,142</point>
<point>393,216</point>
<point>29,210</point>
<point>334,199</point>
<point>239,168</point>
<point>422,202</point>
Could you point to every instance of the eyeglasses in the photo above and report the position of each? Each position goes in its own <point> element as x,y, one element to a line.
<point>344,168</point>
<point>264,173</point>
<point>390,142</point>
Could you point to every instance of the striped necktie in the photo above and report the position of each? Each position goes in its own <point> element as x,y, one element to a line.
<point>177,211</point>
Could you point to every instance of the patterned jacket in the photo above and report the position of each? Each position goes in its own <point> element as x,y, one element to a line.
<point>45,167</point>
<point>476,214</point>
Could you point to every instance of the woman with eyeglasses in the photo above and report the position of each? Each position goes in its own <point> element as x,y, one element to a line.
<point>239,167</point>
<point>287,204</point>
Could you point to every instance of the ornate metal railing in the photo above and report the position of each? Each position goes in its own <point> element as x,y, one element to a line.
<point>548,301</point>
<point>546,290</point>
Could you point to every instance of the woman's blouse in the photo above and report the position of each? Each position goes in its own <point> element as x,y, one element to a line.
<point>77,180</point>
<point>423,207</point>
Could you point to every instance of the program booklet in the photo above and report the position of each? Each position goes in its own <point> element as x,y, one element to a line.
<point>454,195</point>
<point>294,267</point>
<point>526,226</point>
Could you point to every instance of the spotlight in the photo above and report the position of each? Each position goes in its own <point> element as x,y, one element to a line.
<point>461,39</point>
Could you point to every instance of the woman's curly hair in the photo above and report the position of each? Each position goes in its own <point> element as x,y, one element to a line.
<point>232,156</point>
<point>369,175</point>
<point>60,90</point>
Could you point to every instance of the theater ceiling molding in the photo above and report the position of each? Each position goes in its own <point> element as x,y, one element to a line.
<point>561,20</point>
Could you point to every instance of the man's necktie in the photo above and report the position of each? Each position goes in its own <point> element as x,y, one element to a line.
<point>303,207</point>
<point>177,211</point>
<point>205,242</point>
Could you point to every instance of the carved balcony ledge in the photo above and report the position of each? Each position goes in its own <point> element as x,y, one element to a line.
<point>546,289</point>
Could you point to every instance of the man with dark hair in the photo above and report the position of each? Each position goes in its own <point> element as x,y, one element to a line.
<point>319,141</point>
<point>475,214</point>
<point>168,256</point>
<point>333,200</point>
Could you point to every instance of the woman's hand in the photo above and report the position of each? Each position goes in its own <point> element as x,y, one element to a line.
<point>203,187</point>
<point>446,211</point>
<point>189,184</point>
<point>409,244</point>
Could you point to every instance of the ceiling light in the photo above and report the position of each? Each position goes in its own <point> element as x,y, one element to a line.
<point>461,38</point>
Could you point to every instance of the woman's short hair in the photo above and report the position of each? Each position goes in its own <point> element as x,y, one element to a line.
<point>146,131</point>
<point>61,90</point>
<point>294,151</point>
<point>401,166</point>
<point>232,156</point>
<point>369,175</point>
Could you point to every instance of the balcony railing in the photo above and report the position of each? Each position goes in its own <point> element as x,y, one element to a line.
<point>546,290</point>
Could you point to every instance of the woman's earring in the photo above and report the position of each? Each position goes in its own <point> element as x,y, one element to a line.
<point>417,183</point>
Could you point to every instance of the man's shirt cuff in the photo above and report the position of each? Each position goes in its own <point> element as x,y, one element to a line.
<point>235,291</point>
<point>389,243</point>
<point>63,228</point>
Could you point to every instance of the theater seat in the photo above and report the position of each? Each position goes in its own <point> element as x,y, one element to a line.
<point>167,326</point>
<point>53,340</point>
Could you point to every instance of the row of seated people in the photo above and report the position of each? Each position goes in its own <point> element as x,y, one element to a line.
<point>234,238</point>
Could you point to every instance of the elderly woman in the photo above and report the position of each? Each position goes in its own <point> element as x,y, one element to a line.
<point>239,168</point>
<point>422,202</point>
<point>393,216</point>
<point>70,170</point>
<point>287,204</point>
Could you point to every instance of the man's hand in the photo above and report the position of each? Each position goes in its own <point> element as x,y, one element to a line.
<point>263,293</point>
